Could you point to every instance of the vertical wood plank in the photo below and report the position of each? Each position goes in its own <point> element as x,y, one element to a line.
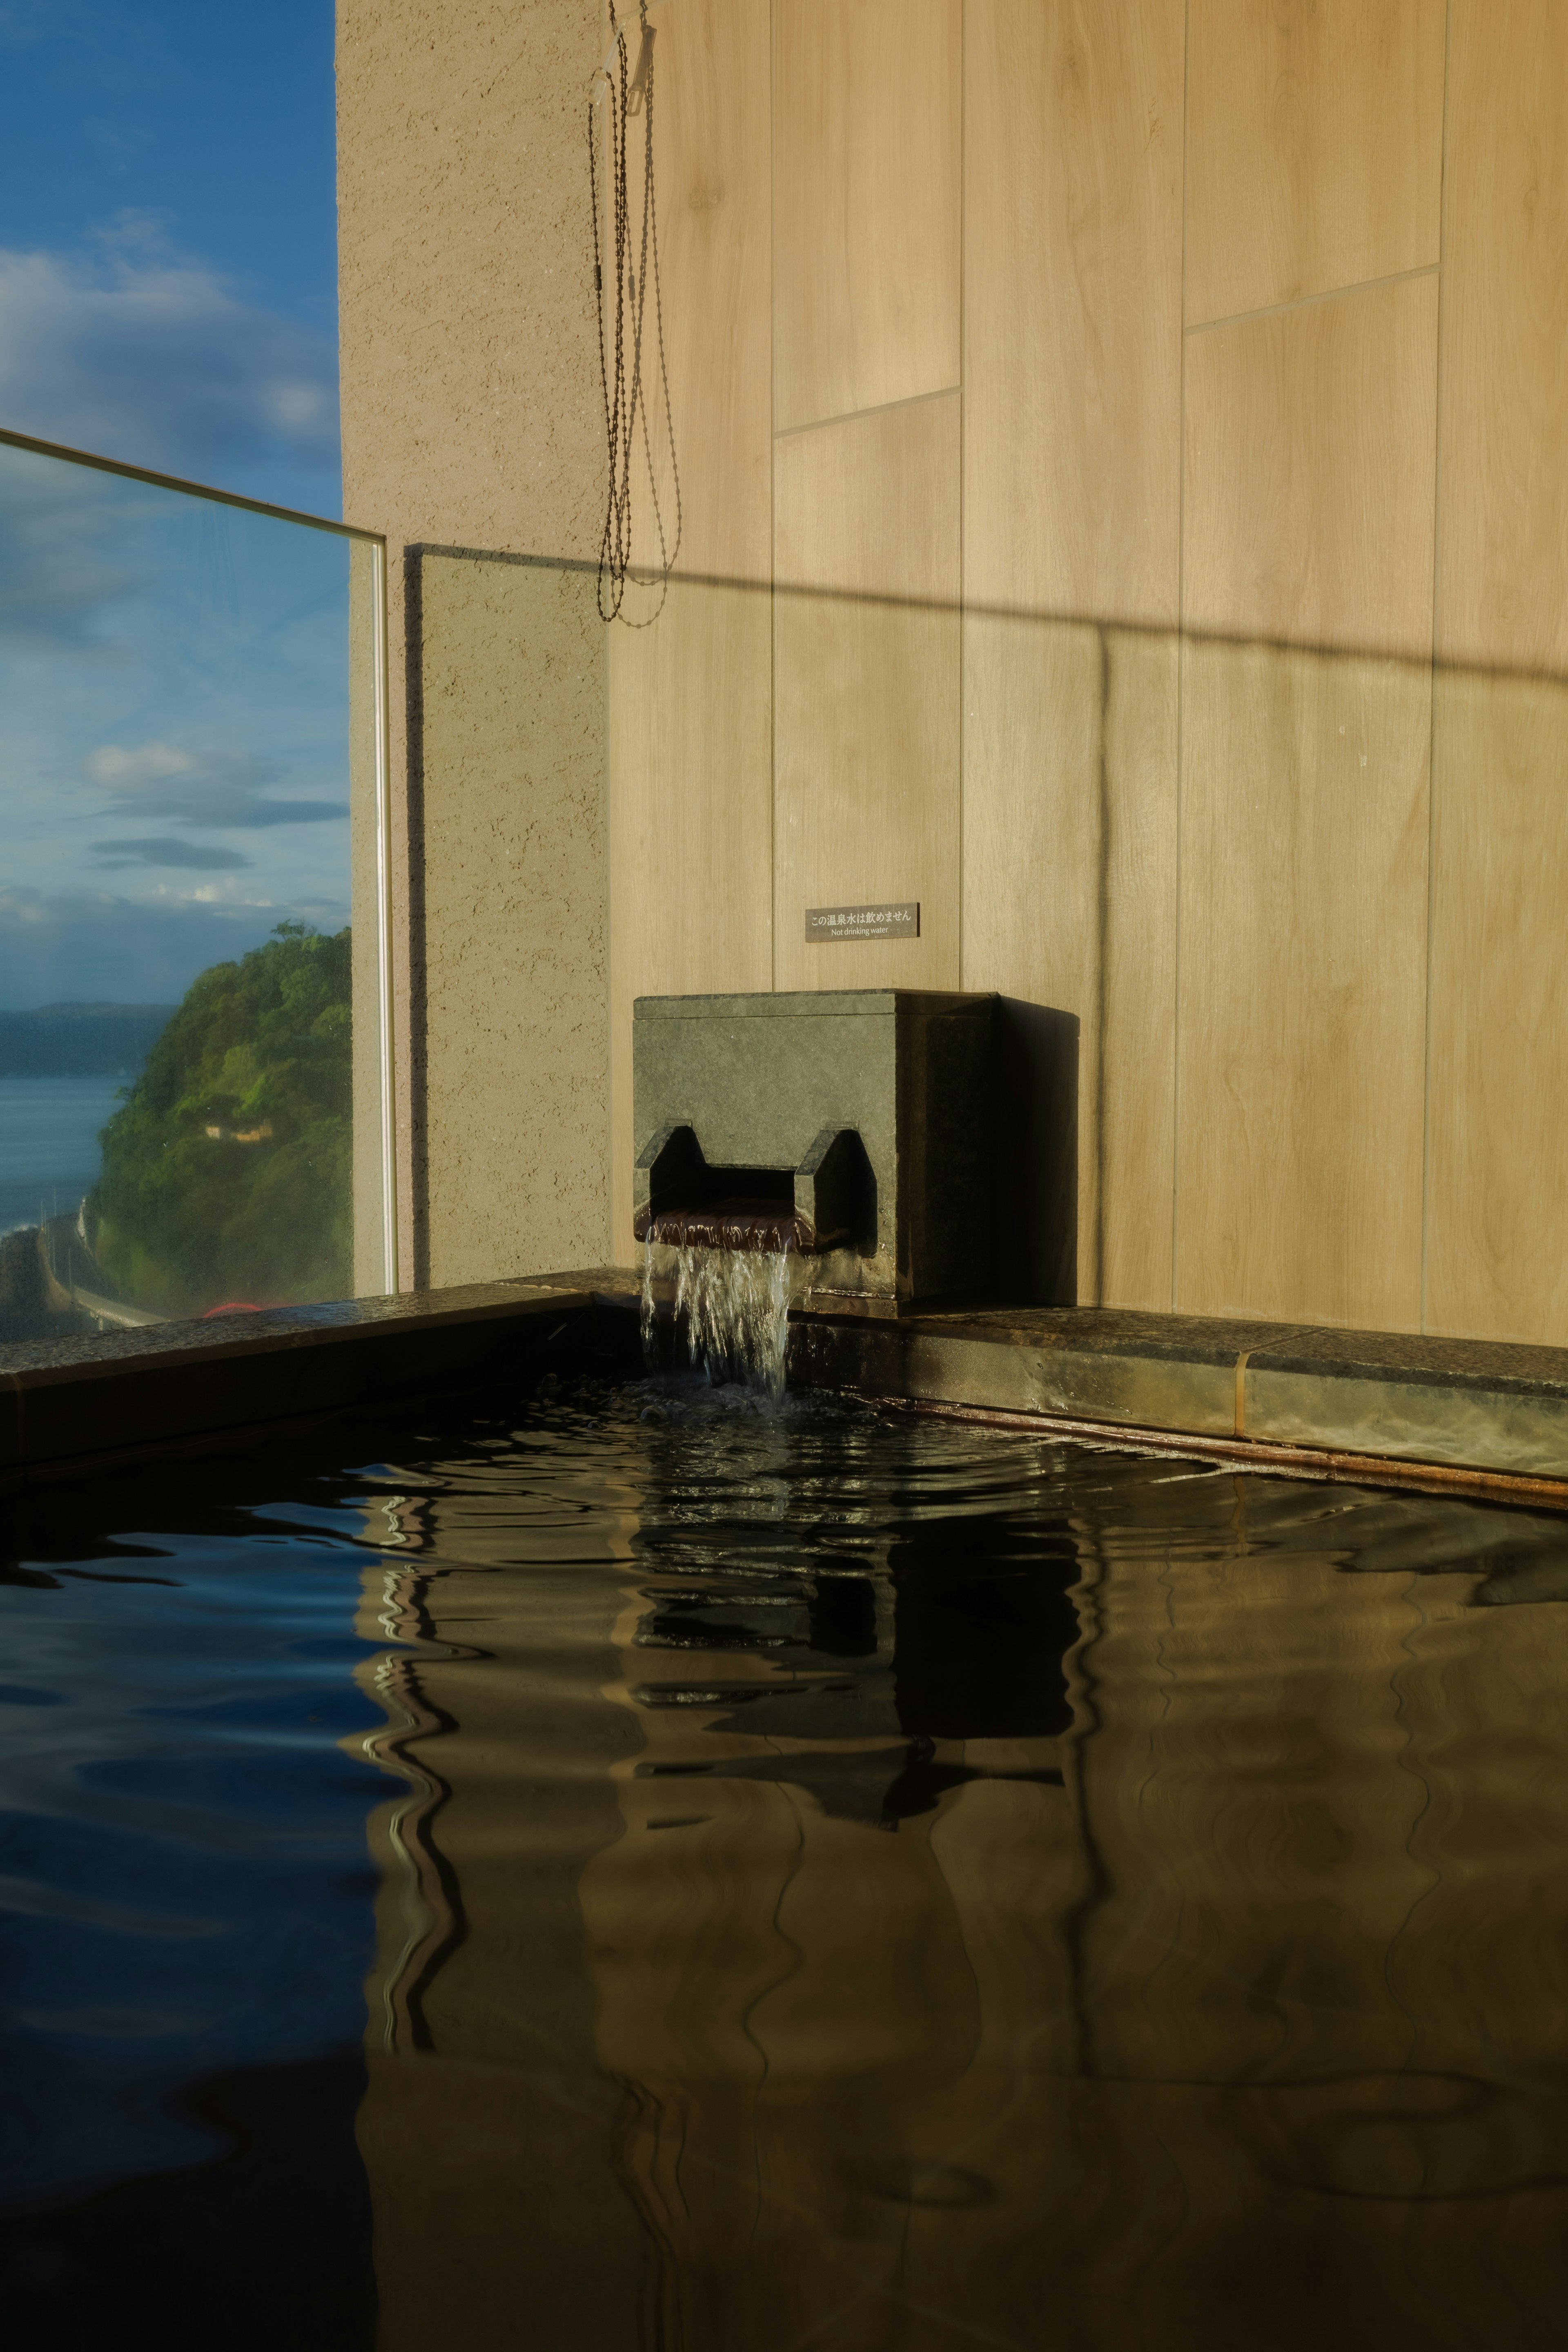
<point>868,138</point>
<point>691,820</point>
<point>1503,590</point>
<point>689,696</point>
<point>1497,1253</point>
<point>1073,307</point>
<point>711,154</point>
<point>1498,1196</point>
<point>1311,459</point>
<point>1070,902</point>
<point>1310,441</point>
<point>1301,1008</point>
<point>1072,482</point>
<point>865,653</point>
<point>1315,134</point>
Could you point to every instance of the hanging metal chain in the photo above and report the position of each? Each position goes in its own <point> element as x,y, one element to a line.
<point>626,401</point>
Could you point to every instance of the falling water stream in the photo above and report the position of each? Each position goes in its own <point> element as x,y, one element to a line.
<point>732,1310</point>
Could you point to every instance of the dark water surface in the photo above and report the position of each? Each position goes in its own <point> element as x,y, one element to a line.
<point>723,1881</point>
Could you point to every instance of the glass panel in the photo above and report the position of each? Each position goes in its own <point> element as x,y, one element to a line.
<point>192,1086</point>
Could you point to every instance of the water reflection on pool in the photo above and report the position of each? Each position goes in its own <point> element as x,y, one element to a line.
<point>647,1872</point>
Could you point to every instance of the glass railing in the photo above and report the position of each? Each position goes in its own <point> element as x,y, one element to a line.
<point>195,1057</point>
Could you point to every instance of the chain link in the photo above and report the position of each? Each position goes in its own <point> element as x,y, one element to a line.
<point>625,402</point>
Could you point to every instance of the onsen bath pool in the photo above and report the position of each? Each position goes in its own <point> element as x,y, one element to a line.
<point>637,1868</point>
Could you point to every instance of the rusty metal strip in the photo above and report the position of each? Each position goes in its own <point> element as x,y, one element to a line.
<point>1320,1463</point>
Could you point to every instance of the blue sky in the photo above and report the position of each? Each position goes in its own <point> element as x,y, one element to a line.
<point>173,675</point>
<point>168,260</point>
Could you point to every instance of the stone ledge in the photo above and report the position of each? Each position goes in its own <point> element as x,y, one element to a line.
<point>69,1403</point>
<point>1485,1413</point>
<point>1481,1415</point>
<point>1401,1406</point>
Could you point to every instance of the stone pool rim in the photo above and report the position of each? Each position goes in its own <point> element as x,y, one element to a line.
<point>1477,1417</point>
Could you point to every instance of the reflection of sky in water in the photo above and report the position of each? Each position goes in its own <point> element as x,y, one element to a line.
<point>182,1843</point>
<point>174,732</point>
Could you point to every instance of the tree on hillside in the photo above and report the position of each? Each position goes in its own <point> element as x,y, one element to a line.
<point>227,1170</point>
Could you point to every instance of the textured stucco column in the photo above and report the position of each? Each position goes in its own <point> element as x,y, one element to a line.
<point>472,420</point>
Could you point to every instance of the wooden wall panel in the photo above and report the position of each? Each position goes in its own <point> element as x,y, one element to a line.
<point>1497,1251</point>
<point>1301,1008</point>
<point>1315,134</point>
<point>1311,458</point>
<point>1302,997</point>
<point>1069,867</point>
<point>867,691</point>
<point>1073,307</point>
<point>715,200</point>
<point>1309,465</point>
<point>1503,592</point>
<point>867,143</point>
<point>689,698</point>
<point>691,726</point>
<point>1072,462</point>
<point>1498,1196</point>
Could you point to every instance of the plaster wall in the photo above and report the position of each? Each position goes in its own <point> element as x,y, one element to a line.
<point>469,383</point>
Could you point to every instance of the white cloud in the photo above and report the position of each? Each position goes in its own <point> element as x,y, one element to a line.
<point>197,857</point>
<point>223,790</point>
<point>90,945</point>
<point>124,766</point>
<point>137,351</point>
<point>61,563</point>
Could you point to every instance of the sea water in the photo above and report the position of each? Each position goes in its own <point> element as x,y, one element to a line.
<point>49,1144</point>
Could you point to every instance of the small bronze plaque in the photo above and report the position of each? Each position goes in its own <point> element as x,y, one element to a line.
<point>901,921</point>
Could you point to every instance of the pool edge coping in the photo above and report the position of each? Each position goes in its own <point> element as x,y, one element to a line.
<point>1480,1419</point>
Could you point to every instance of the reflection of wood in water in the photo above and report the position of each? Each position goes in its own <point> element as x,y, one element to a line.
<point>487,2123</point>
<point>418,1882</point>
<point>1249,2032</point>
<point>1253,2032</point>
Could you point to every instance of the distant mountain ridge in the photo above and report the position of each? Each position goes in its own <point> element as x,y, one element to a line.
<point>79,1041</point>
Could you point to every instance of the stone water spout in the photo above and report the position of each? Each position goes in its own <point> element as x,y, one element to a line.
<point>833,1146</point>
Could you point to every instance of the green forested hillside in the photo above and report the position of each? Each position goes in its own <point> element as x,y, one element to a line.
<point>260,1050</point>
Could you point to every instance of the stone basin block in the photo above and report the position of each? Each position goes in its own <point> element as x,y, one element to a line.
<point>852,1126</point>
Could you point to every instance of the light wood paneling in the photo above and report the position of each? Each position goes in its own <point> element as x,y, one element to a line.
<point>1497,1255</point>
<point>867,144</point>
<point>1310,455</point>
<point>1498,1199</point>
<point>866,692</point>
<point>1069,863</point>
<point>690,696</point>
<point>710,87</point>
<point>1314,147</point>
<point>1302,998</point>
<point>1072,458</point>
<point>1503,592</point>
<point>690,753</point>
<point>1310,442</point>
<point>1073,306</point>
